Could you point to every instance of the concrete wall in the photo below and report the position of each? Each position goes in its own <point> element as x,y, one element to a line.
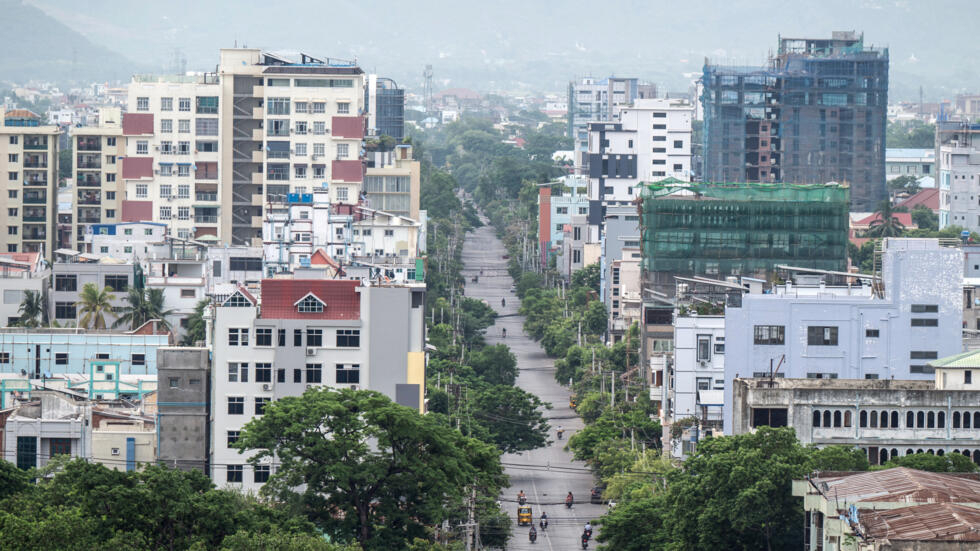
<point>87,273</point>
<point>183,407</point>
<point>12,289</point>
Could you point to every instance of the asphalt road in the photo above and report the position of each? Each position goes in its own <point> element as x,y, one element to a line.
<point>545,474</point>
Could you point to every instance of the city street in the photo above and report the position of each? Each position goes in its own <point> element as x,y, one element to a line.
<point>547,474</point>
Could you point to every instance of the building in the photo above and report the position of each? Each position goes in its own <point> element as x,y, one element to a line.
<point>309,333</point>
<point>890,330</point>
<point>20,273</point>
<point>385,104</point>
<point>184,277</point>
<point>594,100</point>
<point>99,186</point>
<point>909,162</point>
<point>622,292</point>
<point>29,167</point>
<point>723,230</point>
<point>555,213</point>
<point>71,277</point>
<point>184,408</point>
<point>577,250</point>
<point>957,150</point>
<point>238,265</point>
<point>171,168</point>
<point>780,123</point>
<point>695,385</point>
<point>131,241</point>
<point>651,142</point>
<point>287,126</point>
<point>392,182</point>
<point>896,509</point>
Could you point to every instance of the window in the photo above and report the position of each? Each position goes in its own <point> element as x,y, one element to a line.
<point>12,176</point>
<point>261,473</point>
<point>967,377</point>
<point>300,170</point>
<point>770,334</point>
<point>26,452</point>
<point>314,373</point>
<point>263,336</point>
<point>138,359</point>
<point>871,333</point>
<point>678,144</point>
<point>282,337</point>
<point>297,337</point>
<point>184,190</point>
<point>925,322</point>
<point>348,338</point>
<point>343,107</point>
<point>61,358</point>
<point>207,105</point>
<point>277,127</point>
<point>206,126</point>
<point>4,357</point>
<point>236,405</point>
<point>184,126</point>
<point>263,373</point>
<point>142,147</point>
<point>237,336</point>
<point>166,104</point>
<point>166,126</point>
<point>301,150</point>
<point>66,282</point>
<point>184,104</point>
<point>165,213</point>
<point>277,106</point>
<point>206,147</point>
<point>167,147</point>
<point>314,337</point>
<point>319,129</point>
<point>704,348</point>
<point>348,374</point>
<point>116,282</point>
<point>233,436</point>
<point>301,129</point>
<point>719,345</point>
<point>64,310</point>
<point>923,355</point>
<point>183,213</point>
<point>925,308</point>
<point>233,372</point>
<point>309,305</point>
<point>297,375</point>
<point>110,195</point>
<point>921,369</point>
<point>235,473</point>
<point>174,382</point>
<point>821,336</point>
<point>143,104</point>
<point>260,405</point>
<point>281,375</point>
<point>183,148</point>
<point>342,196</point>
<point>342,150</point>
<point>301,107</point>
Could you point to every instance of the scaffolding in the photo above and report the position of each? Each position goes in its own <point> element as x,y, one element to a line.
<point>722,230</point>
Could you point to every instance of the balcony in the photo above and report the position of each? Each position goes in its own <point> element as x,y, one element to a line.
<point>205,219</point>
<point>89,144</point>
<point>36,143</point>
<point>89,181</point>
<point>33,180</point>
<point>88,162</point>
<point>35,215</point>
<point>206,196</point>
<point>35,162</point>
<point>35,199</point>
<point>35,233</point>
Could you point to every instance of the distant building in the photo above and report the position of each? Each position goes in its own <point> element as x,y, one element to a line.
<point>392,182</point>
<point>71,277</point>
<point>595,100</point>
<point>555,213</point>
<point>815,114</point>
<point>385,105</point>
<point>97,175</point>
<point>909,162</point>
<point>696,385</point>
<point>20,273</point>
<point>184,408</point>
<point>957,148</point>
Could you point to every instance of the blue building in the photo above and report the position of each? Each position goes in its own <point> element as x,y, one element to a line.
<point>51,352</point>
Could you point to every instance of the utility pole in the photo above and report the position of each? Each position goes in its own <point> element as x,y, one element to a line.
<point>613,378</point>
<point>471,522</point>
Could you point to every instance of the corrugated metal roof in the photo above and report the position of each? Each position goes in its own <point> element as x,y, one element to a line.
<point>899,485</point>
<point>964,359</point>
<point>929,522</point>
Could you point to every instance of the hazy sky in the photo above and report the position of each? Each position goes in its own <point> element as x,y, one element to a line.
<point>539,45</point>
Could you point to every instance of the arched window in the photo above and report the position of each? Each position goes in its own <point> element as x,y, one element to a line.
<point>894,453</point>
<point>940,452</point>
<point>976,456</point>
<point>816,418</point>
<point>976,420</point>
<point>874,419</point>
<point>884,419</point>
<point>956,419</point>
<point>956,451</point>
<point>826,418</point>
<point>909,451</point>
<point>837,418</point>
<point>863,419</point>
<point>931,451</point>
<point>847,418</point>
<point>931,420</point>
<point>920,419</point>
<point>966,419</point>
<point>910,420</point>
<point>894,423</point>
<point>883,456</point>
<point>941,419</point>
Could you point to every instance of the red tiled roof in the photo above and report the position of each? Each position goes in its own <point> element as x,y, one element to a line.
<point>928,198</point>
<point>347,127</point>
<point>320,258</point>
<point>137,211</point>
<point>340,296</point>
<point>20,114</point>
<point>347,171</point>
<point>27,258</point>
<point>904,217</point>
<point>135,124</point>
<point>137,167</point>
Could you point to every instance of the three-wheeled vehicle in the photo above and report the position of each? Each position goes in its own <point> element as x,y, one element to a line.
<point>524,516</point>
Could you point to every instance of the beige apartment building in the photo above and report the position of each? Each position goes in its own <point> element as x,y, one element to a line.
<point>99,189</point>
<point>29,171</point>
<point>392,182</point>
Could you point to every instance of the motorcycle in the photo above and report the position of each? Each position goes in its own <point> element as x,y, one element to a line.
<point>543,524</point>
<point>532,535</point>
<point>568,502</point>
<point>585,542</point>
<point>521,500</point>
<point>560,433</point>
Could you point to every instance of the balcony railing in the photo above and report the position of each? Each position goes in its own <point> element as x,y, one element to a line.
<point>36,182</point>
<point>89,219</point>
<point>36,164</point>
<point>30,199</point>
<point>35,144</point>
<point>35,236</point>
<point>92,182</point>
<point>89,145</point>
<point>205,219</point>
<point>204,196</point>
<point>89,164</point>
<point>88,201</point>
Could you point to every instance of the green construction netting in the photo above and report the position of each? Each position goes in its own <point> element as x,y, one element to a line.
<point>743,229</point>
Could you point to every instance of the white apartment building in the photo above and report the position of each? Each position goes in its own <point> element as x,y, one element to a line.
<point>699,366</point>
<point>308,333</point>
<point>806,329</point>
<point>171,164</point>
<point>125,240</point>
<point>958,166</point>
<point>593,100</point>
<point>651,142</point>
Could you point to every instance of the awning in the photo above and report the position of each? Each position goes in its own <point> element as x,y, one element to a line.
<point>66,252</point>
<point>206,237</point>
<point>711,398</point>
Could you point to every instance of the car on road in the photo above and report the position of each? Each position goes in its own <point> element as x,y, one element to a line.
<point>595,497</point>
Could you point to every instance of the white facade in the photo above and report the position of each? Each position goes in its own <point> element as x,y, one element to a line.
<point>816,331</point>
<point>699,364</point>
<point>184,283</point>
<point>126,240</point>
<point>958,165</point>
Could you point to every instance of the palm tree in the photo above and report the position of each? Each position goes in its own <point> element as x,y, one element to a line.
<point>886,224</point>
<point>144,305</point>
<point>94,305</point>
<point>31,309</point>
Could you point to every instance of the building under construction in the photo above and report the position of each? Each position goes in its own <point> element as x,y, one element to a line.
<point>815,114</point>
<point>721,230</point>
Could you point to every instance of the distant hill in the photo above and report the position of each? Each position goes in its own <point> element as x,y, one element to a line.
<point>37,46</point>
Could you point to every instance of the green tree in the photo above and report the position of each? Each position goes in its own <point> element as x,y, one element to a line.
<point>94,305</point>
<point>587,277</point>
<point>12,479</point>
<point>31,309</point>
<point>495,364</point>
<point>886,224</point>
<point>838,458</point>
<point>949,463</point>
<point>277,540</point>
<point>905,183</point>
<point>511,416</point>
<point>196,325</point>
<point>925,218</point>
<point>364,468</point>
<point>144,305</point>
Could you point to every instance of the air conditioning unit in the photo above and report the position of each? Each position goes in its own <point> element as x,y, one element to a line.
<point>309,385</point>
<point>703,363</point>
<point>310,351</point>
<point>266,386</point>
<point>115,451</point>
<point>354,387</point>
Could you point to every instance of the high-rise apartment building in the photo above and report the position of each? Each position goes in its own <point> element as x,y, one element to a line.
<point>286,126</point>
<point>99,187</point>
<point>958,160</point>
<point>815,114</point>
<point>29,171</point>
<point>172,152</point>
<point>385,104</point>
<point>595,100</point>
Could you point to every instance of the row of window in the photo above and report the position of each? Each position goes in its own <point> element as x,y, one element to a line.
<point>344,374</point>
<point>280,106</point>
<point>891,419</point>
<point>183,148</point>
<point>818,335</point>
<point>260,473</point>
<point>69,282</point>
<point>345,338</point>
<point>207,105</point>
<point>61,358</point>
<point>883,454</point>
<point>280,172</point>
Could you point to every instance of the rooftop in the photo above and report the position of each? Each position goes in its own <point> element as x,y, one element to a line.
<point>965,360</point>
<point>929,522</point>
<point>899,485</point>
<point>837,384</point>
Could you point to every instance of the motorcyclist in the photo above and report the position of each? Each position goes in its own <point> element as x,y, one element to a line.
<point>532,534</point>
<point>521,498</point>
<point>588,530</point>
<point>544,521</point>
<point>585,542</point>
<point>504,332</point>
<point>561,431</point>
<point>503,302</point>
<point>569,500</point>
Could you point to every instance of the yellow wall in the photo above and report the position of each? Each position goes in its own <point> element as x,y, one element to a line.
<point>104,440</point>
<point>416,375</point>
